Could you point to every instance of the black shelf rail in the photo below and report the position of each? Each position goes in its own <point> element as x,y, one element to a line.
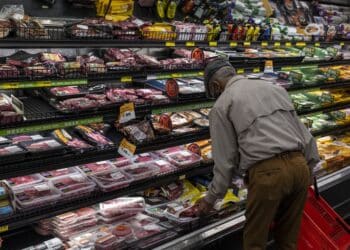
<point>22,219</point>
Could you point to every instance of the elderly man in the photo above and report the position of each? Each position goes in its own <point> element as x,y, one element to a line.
<point>257,134</point>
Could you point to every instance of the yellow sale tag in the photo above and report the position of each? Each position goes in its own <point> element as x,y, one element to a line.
<point>127,112</point>
<point>288,44</point>
<point>317,44</point>
<point>277,44</point>
<point>342,44</point>
<point>176,75</point>
<point>268,63</point>
<point>126,79</point>
<point>190,44</point>
<point>256,70</point>
<point>182,177</point>
<point>264,44</point>
<point>4,228</point>
<point>126,148</point>
<point>240,71</point>
<point>300,44</point>
<point>233,44</point>
<point>170,44</point>
<point>247,44</point>
<point>213,44</point>
<point>201,73</point>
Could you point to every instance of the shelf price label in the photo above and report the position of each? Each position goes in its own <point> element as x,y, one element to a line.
<point>213,44</point>
<point>317,44</point>
<point>264,44</point>
<point>240,71</point>
<point>277,44</point>
<point>4,229</point>
<point>176,75</point>
<point>170,44</point>
<point>127,112</point>
<point>190,44</point>
<point>126,79</point>
<point>300,44</point>
<point>288,44</point>
<point>233,44</point>
<point>256,70</point>
<point>342,44</point>
<point>126,148</point>
<point>246,44</point>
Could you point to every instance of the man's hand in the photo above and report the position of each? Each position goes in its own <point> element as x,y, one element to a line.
<point>204,207</point>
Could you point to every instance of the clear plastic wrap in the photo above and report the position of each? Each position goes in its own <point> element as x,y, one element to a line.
<point>97,167</point>
<point>120,206</point>
<point>141,170</point>
<point>20,181</point>
<point>111,180</point>
<point>59,172</point>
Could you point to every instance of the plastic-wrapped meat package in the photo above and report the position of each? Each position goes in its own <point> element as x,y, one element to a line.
<point>51,57</point>
<point>140,220</point>
<point>17,182</point>
<point>39,69</point>
<point>77,104</point>
<point>111,180</point>
<point>144,157</point>
<point>157,99</point>
<point>94,68</point>
<point>73,185</point>
<point>65,91</point>
<point>7,117</point>
<point>180,157</point>
<point>63,136</point>
<point>107,241</point>
<point>22,138</point>
<point>122,206</point>
<point>181,212</point>
<point>94,137</point>
<point>148,61</point>
<point>5,27</point>
<point>5,104</point>
<point>179,120</point>
<point>69,68</point>
<point>101,99</point>
<point>97,167</point>
<point>74,217</point>
<point>139,133</point>
<point>10,150</point>
<point>42,145</point>
<point>52,244</point>
<point>8,71</point>
<point>115,96</point>
<point>164,166</point>
<point>172,191</point>
<point>142,170</point>
<point>121,162</point>
<point>44,227</point>
<point>123,230</point>
<point>31,196</point>
<point>157,211</point>
<point>147,92</point>
<point>147,230</point>
<point>59,172</point>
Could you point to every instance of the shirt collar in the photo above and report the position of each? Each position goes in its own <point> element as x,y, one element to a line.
<point>233,80</point>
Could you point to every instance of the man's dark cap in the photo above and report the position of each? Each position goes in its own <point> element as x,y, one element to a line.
<point>211,69</point>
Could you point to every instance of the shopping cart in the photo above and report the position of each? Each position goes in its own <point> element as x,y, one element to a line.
<point>321,227</point>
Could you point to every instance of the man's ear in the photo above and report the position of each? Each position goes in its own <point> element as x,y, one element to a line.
<point>215,88</point>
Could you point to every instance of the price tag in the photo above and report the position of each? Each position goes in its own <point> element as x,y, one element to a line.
<point>264,44</point>
<point>213,44</point>
<point>240,71</point>
<point>288,44</point>
<point>300,44</point>
<point>233,44</point>
<point>170,44</point>
<point>126,79</point>
<point>4,228</point>
<point>256,70</point>
<point>182,177</point>
<point>176,75</point>
<point>126,148</point>
<point>342,44</point>
<point>127,112</point>
<point>277,44</point>
<point>190,44</point>
<point>317,44</point>
<point>246,44</point>
<point>201,73</point>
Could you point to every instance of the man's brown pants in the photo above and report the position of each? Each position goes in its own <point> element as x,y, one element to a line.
<point>277,190</point>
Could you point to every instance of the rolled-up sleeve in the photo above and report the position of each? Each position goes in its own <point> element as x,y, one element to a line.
<point>225,154</point>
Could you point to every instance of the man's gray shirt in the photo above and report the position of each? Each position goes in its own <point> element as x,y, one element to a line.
<point>253,120</point>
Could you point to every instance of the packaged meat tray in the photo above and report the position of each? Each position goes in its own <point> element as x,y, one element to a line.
<point>15,139</point>
<point>59,172</point>
<point>140,220</point>
<point>156,240</point>
<point>48,145</point>
<point>73,185</point>
<point>18,182</point>
<point>67,139</point>
<point>35,195</point>
<point>107,241</point>
<point>11,153</point>
<point>94,137</point>
<point>67,92</point>
<point>97,167</point>
<point>142,170</point>
<point>181,158</point>
<point>111,180</point>
<point>147,230</point>
<point>4,140</point>
<point>115,207</point>
<point>181,212</point>
<point>164,166</point>
<point>74,217</point>
<point>157,211</point>
<point>121,162</point>
<point>123,230</point>
<point>145,157</point>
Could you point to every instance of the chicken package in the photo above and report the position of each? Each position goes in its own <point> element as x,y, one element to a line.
<point>15,139</point>
<point>139,133</point>
<point>73,185</point>
<point>35,195</point>
<point>44,145</point>
<point>59,172</point>
<point>97,167</point>
<point>122,206</point>
<point>94,137</point>
<point>20,181</point>
<point>111,180</point>
<point>181,212</point>
<point>73,142</point>
<point>142,171</point>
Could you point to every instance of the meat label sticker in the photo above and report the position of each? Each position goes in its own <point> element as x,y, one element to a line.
<point>264,44</point>
<point>288,44</point>
<point>170,44</point>
<point>233,44</point>
<point>4,228</point>
<point>127,112</point>
<point>126,148</point>
<point>277,44</point>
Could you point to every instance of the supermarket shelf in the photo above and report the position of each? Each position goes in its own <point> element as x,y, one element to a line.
<point>330,85</point>
<point>113,43</point>
<point>324,109</point>
<point>22,219</point>
<point>235,223</point>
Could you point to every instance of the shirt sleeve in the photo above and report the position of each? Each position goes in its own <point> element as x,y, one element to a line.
<point>225,154</point>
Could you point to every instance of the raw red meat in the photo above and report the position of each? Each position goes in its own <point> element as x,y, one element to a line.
<point>41,145</point>
<point>58,172</point>
<point>73,184</point>
<point>8,71</point>
<point>76,104</point>
<point>8,150</point>
<point>65,91</point>
<point>28,179</point>
<point>97,167</point>
<point>94,137</point>
<point>122,230</point>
